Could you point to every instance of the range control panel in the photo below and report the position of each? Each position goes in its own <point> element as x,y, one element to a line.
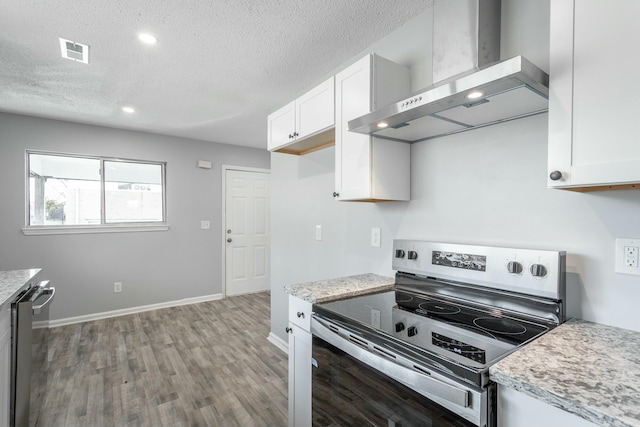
<point>530,271</point>
<point>459,347</point>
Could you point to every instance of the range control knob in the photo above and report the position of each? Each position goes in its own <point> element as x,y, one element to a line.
<point>538,270</point>
<point>399,327</point>
<point>412,255</point>
<point>514,267</point>
<point>412,331</point>
<point>399,253</point>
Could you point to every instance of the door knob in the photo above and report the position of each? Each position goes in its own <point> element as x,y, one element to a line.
<point>289,330</point>
<point>229,240</point>
<point>229,231</point>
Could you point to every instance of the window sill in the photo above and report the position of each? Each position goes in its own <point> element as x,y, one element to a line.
<point>90,229</point>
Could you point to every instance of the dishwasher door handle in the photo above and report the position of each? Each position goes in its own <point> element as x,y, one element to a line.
<point>44,289</point>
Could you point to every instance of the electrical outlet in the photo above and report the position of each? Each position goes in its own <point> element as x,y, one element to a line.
<point>628,256</point>
<point>117,287</point>
<point>375,237</point>
<point>205,225</point>
<point>318,232</point>
<point>631,256</point>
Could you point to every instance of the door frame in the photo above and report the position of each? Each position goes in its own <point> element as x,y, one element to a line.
<point>223,227</point>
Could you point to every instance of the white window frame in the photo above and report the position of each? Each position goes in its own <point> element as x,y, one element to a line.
<point>103,227</point>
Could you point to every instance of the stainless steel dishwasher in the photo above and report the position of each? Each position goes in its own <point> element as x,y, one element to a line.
<point>31,301</point>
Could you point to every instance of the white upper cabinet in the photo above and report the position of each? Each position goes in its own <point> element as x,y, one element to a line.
<point>370,168</point>
<point>593,99</point>
<point>306,124</point>
<point>281,126</point>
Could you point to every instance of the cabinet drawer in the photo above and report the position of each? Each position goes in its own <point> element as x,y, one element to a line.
<point>300,313</point>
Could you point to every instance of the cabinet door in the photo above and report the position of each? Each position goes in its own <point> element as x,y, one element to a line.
<point>281,126</point>
<point>353,150</point>
<point>5,365</point>
<point>593,138</point>
<point>516,409</point>
<point>299,377</point>
<point>315,109</point>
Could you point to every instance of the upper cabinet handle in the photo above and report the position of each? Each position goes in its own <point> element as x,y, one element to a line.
<point>555,175</point>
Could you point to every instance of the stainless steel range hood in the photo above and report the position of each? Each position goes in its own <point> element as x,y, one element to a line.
<point>466,45</point>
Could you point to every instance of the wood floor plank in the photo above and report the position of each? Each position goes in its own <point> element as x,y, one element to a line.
<point>207,364</point>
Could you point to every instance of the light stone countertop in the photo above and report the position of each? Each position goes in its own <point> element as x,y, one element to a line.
<point>584,368</point>
<point>12,282</point>
<point>340,288</point>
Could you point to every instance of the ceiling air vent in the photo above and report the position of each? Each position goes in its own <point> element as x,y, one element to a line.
<point>74,51</point>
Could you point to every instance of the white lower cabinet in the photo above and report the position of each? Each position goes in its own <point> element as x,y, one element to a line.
<point>516,409</point>
<point>299,377</point>
<point>5,364</point>
<point>300,341</point>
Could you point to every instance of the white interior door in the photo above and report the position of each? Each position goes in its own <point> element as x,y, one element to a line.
<point>246,234</point>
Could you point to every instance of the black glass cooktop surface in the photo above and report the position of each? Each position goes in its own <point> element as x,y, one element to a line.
<point>396,312</point>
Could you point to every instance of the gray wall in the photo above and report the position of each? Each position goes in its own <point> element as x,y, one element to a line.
<point>482,187</point>
<point>154,267</point>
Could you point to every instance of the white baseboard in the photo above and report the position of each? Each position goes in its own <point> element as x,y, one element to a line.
<point>278,342</point>
<point>125,311</point>
<point>40,324</point>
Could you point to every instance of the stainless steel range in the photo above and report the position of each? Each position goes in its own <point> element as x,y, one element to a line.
<point>420,354</point>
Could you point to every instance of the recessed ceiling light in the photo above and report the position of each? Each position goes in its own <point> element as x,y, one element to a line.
<point>128,110</point>
<point>383,125</point>
<point>475,94</point>
<point>147,38</point>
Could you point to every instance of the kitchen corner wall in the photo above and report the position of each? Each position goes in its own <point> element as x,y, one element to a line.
<point>154,267</point>
<point>485,187</point>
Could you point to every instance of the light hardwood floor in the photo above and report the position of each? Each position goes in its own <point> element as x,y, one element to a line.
<point>206,364</point>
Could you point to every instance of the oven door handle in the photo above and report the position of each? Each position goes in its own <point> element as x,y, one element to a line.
<point>43,289</point>
<point>384,362</point>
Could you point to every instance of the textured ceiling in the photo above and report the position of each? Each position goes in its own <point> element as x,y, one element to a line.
<point>219,68</point>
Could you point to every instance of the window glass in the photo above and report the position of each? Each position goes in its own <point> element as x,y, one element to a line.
<point>63,190</point>
<point>70,190</point>
<point>133,192</point>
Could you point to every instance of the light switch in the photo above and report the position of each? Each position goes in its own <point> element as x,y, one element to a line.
<point>318,232</point>
<point>205,225</point>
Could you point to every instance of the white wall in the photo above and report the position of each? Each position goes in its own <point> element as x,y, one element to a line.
<point>154,267</point>
<point>486,186</point>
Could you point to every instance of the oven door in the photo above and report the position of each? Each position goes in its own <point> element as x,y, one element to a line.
<point>356,382</point>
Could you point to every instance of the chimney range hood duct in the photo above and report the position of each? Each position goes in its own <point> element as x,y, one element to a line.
<point>483,91</point>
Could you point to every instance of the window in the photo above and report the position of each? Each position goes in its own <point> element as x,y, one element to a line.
<point>66,191</point>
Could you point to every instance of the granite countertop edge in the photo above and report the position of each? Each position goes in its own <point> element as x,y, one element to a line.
<point>532,380</point>
<point>558,401</point>
<point>339,288</point>
<point>12,282</point>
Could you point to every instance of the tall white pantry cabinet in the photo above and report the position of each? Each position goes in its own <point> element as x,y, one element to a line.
<point>594,139</point>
